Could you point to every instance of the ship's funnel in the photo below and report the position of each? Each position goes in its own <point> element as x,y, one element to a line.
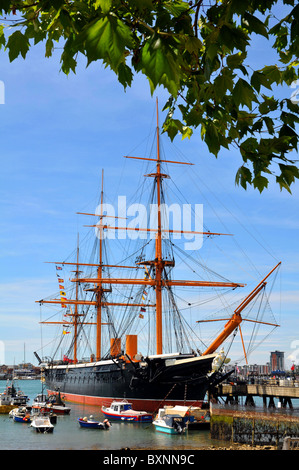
<point>115,347</point>
<point>131,346</point>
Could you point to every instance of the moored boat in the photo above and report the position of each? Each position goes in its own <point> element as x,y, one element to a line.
<point>20,415</point>
<point>122,411</point>
<point>52,403</point>
<point>169,423</point>
<point>195,418</point>
<point>13,396</point>
<point>93,423</point>
<point>42,424</point>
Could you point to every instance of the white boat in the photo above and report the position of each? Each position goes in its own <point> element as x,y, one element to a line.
<point>195,418</point>
<point>42,424</point>
<point>122,411</point>
<point>169,423</point>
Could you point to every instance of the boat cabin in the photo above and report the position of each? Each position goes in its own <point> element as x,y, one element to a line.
<point>41,398</point>
<point>121,406</point>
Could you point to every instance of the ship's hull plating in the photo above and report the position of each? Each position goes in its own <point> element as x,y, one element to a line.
<point>147,385</point>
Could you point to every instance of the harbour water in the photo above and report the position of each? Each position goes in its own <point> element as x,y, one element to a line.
<point>68,435</point>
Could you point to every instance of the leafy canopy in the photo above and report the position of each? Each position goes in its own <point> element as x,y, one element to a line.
<point>200,52</point>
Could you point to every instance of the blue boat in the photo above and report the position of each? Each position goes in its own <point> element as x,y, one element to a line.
<point>22,419</point>
<point>93,424</point>
<point>20,415</point>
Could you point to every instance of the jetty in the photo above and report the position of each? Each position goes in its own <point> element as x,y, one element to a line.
<point>283,390</point>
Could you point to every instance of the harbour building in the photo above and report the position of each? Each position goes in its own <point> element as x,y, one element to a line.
<point>277,360</point>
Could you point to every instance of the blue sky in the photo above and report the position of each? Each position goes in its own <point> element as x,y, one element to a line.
<point>57,133</point>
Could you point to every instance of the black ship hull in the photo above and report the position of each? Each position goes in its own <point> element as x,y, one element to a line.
<point>148,384</point>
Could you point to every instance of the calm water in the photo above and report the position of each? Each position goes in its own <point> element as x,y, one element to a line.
<point>68,435</point>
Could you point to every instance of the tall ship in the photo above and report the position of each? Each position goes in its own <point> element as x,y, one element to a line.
<point>121,331</point>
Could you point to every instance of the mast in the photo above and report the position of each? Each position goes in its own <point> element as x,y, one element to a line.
<point>76,307</point>
<point>99,291</point>
<point>157,281</point>
<point>159,261</point>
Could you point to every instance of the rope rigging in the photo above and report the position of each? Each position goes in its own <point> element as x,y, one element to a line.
<point>120,321</point>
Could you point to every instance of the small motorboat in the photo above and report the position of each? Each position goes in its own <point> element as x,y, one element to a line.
<point>122,411</point>
<point>20,415</point>
<point>92,423</point>
<point>35,412</point>
<point>42,424</point>
<point>194,417</point>
<point>169,423</point>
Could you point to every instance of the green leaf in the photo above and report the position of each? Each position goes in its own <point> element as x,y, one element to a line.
<point>283,184</point>
<point>160,65</point>
<point>234,60</point>
<point>105,5</point>
<point>49,47</point>
<point>107,39</point>
<point>192,44</point>
<point>243,176</point>
<point>125,75</point>
<point>260,182</point>
<point>187,132</point>
<point>273,73</point>
<point>2,37</point>
<point>258,79</point>
<point>288,175</point>
<point>68,63</point>
<point>233,37</point>
<point>249,145</point>
<point>17,44</point>
<point>243,94</point>
<point>269,104</point>
<point>255,25</point>
<point>222,84</point>
<point>154,60</point>
<point>211,138</point>
<point>176,8</point>
<point>172,127</point>
<point>5,6</point>
<point>269,123</point>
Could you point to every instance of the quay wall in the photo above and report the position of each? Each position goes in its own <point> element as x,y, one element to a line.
<point>249,426</point>
<point>5,409</point>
